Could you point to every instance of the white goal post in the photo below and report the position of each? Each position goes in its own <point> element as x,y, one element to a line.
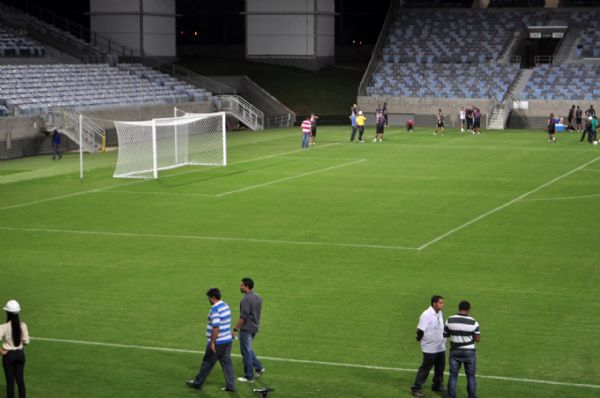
<point>146,147</point>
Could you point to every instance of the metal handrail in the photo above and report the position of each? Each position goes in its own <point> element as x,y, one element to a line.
<point>282,120</point>
<point>67,120</point>
<point>543,59</point>
<point>242,109</point>
<point>362,87</point>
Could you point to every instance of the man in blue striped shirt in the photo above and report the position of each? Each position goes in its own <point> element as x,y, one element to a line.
<point>218,346</point>
<point>463,331</point>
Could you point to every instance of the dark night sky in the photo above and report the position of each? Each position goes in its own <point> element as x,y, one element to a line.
<point>220,22</point>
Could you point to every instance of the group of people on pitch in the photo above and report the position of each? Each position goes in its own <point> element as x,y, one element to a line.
<point>590,128</point>
<point>463,332</point>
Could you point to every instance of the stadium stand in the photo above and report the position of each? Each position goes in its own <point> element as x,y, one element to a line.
<point>15,45</point>
<point>443,80</point>
<point>35,89</point>
<point>516,3</point>
<point>567,81</point>
<point>588,21</point>
<point>436,3</point>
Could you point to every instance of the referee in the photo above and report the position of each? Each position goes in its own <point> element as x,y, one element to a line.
<point>463,331</point>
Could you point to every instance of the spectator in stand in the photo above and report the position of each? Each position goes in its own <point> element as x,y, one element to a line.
<point>410,125</point>
<point>578,117</point>
<point>360,123</point>
<point>476,121</point>
<point>570,118</point>
<point>384,111</point>
<point>306,128</point>
<point>462,116</point>
<point>551,129</point>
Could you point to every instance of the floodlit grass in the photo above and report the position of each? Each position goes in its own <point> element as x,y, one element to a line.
<point>331,236</point>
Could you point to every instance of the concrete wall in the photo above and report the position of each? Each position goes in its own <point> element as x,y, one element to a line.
<point>298,33</point>
<point>120,21</point>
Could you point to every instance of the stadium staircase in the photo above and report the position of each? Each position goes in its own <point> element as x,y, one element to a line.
<point>238,107</point>
<point>567,52</point>
<point>67,122</point>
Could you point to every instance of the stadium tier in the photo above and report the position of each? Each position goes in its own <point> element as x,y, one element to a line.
<point>516,3</point>
<point>588,21</point>
<point>567,81</point>
<point>467,36</point>
<point>34,89</point>
<point>442,80</point>
<point>14,45</point>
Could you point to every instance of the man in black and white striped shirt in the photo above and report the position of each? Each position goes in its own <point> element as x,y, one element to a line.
<point>463,331</point>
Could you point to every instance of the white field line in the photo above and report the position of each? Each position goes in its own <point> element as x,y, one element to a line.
<point>161,193</point>
<point>306,361</point>
<point>482,216</point>
<point>71,195</point>
<point>207,238</point>
<point>563,198</point>
<point>592,170</point>
<point>290,178</point>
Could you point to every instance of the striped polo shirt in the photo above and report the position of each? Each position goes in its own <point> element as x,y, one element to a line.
<point>219,316</point>
<point>306,126</point>
<point>461,329</point>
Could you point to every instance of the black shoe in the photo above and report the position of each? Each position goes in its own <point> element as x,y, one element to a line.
<point>193,384</point>
<point>440,389</point>
<point>227,389</point>
<point>418,393</point>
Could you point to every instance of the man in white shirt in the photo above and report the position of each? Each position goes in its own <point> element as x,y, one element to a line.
<point>430,333</point>
<point>462,116</point>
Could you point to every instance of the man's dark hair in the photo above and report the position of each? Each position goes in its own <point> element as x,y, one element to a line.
<point>249,283</point>
<point>435,299</point>
<point>464,306</point>
<point>214,293</point>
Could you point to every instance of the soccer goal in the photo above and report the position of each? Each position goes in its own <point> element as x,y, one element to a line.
<point>146,147</point>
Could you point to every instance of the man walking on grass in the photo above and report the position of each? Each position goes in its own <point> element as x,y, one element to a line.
<point>247,326</point>
<point>218,346</point>
<point>430,333</point>
<point>463,331</point>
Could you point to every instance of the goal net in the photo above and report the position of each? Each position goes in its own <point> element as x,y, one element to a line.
<point>146,147</point>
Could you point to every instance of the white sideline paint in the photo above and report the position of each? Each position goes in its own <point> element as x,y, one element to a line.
<point>592,170</point>
<point>290,178</point>
<point>482,216</point>
<point>306,361</point>
<point>161,193</point>
<point>563,198</point>
<point>35,202</point>
<point>208,238</point>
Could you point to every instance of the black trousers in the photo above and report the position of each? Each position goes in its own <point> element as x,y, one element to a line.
<point>13,363</point>
<point>353,133</point>
<point>223,356</point>
<point>589,134</point>
<point>436,361</point>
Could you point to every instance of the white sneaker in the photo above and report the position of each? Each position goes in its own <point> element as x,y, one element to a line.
<point>374,140</point>
<point>244,380</point>
<point>260,372</point>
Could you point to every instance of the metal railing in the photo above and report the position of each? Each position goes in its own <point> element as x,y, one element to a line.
<point>543,59</point>
<point>362,87</point>
<point>184,74</point>
<point>67,122</point>
<point>242,109</point>
<point>278,121</point>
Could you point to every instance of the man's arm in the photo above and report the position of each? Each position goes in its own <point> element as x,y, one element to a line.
<point>420,334</point>
<point>213,338</point>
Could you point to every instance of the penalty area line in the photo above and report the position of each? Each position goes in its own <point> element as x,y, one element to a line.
<point>505,205</point>
<point>207,238</point>
<point>308,362</point>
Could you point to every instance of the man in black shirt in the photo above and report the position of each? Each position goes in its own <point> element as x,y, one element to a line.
<point>551,129</point>
<point>591,111</point>
<point>570,118</point>
<point>578,116</point>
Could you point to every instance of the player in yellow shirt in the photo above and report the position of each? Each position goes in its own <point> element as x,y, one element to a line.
<point>360,123</point>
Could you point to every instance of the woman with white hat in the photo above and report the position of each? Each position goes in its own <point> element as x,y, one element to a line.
<point>14,336</point>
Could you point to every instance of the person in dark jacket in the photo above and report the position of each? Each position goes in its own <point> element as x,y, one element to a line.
<point>56,145</point>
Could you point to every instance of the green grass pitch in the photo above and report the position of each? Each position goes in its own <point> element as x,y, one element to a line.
<point>346,243</point>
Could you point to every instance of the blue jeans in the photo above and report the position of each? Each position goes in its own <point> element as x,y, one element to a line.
<point>305,140</point>
<point>249,358</point>
<point>469,359</point>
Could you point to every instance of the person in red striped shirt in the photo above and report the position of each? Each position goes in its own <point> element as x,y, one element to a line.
<point>306,131</point>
